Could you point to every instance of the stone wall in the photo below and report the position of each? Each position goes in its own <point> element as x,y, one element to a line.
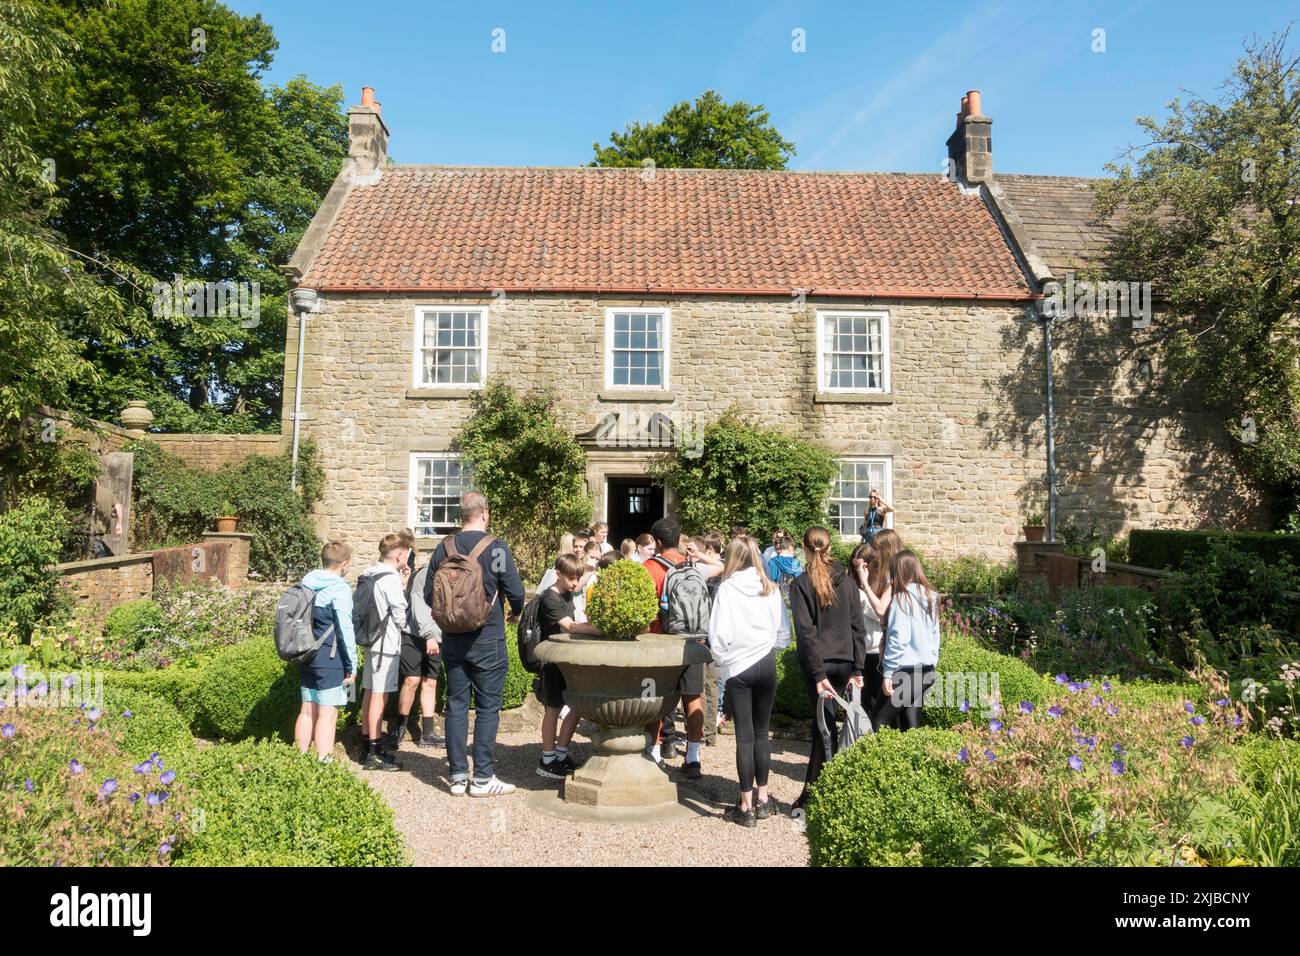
<point>963,424</point>
<point>101,584</point>
<point>213,451</point>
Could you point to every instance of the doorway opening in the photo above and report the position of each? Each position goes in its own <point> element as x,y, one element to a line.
<point>632,505</point>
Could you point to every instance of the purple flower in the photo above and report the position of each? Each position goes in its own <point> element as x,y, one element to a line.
<point>1075,763</point>
<point>1117,767</point>
<point>127,713</point>
<point>1118,749</point>
<point>1222,702</point>
<point>1105,686</point>
<point>965,707</point>
<point>143,767</point>
<point>164,849</point>
<point>963,755</point>
<point>168,777</point>
<point>1026,707</point>
<point>1236,721</point>
<point>990,756</point>
<point>1197,721</point>
<point>133,798</point>
<point>107,789</point>
<point>1112,710</point>
<point>41,689</point>
<point>92,714</point>
<point>995,707</point>
<point>1075,687</point>
<point>1187,705</point>
<point>75,766</point>
<point>1062,679</point>
<point>19,671</point>
<point>28,785</point>
<point>67,682</point>
<point>156,798</point>
<point>1086,684</point>
<point>1096,701</point>
<point>7,731</point>
<point>1054,712</point>
<point>995,726</point>
<point>1187,742</point>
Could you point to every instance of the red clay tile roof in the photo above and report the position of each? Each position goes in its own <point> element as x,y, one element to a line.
<point>682,231</point>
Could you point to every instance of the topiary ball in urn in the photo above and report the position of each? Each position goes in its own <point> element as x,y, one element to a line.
<point>623,602</point>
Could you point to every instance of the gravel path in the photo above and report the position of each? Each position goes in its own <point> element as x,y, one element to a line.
<point>443,830</point>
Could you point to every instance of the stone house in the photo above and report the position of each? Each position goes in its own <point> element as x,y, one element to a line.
<point>888,316</point>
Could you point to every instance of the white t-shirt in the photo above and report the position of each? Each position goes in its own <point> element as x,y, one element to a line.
<point>875,632</point>
<point>389,595</point>
<point>606,547</point>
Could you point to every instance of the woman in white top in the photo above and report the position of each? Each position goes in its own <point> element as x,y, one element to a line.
<point>747,627</point>
<point>871,570</point>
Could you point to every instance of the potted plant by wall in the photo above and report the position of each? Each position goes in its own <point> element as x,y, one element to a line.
<point>621,681</point>
<point>227,520</point>
<point>1034,529</point>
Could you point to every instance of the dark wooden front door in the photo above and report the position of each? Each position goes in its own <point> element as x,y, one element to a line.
<point>633,505</point>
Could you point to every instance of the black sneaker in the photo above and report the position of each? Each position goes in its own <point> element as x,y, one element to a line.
<point>393,740</point>
<point>569,764</point>
<point>554,770</point>
<point>692,771</point>
<point>381,761</point>
<point>764,810</point>
<point>432,742</point>
<point>745,818</point>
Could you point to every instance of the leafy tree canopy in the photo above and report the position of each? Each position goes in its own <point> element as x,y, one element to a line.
<point>706,134</point>
<point>1210,217</point>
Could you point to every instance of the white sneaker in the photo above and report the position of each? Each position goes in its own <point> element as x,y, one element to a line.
<point>493,788</point>
<point>458,787</point>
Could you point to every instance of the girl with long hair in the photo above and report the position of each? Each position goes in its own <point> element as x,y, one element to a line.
<point>911,643</point>
<point>871,572</point>
<point>747,627</point>
<point>830,635</point>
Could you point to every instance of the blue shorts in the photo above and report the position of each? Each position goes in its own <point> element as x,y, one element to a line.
<point>329,696</point>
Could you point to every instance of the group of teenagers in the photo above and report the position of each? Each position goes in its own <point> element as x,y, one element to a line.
<point>873,625</point>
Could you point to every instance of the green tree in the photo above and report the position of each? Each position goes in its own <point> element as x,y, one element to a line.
<point>1208,215</point>
<point>45,288</point>
<point>531,469</point>
<point>172,156</point>
<point>706,134</point>
<point>751,474</point>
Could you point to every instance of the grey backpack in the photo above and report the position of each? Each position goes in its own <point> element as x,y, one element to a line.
<point>684,606</point>
<point>856,722</point>
<point>295,632</point>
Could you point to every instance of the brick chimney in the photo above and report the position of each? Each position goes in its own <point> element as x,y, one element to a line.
<point>367,135</point>
<point>971,144</point>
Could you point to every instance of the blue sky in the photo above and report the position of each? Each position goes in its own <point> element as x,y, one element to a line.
<point>878,87</point>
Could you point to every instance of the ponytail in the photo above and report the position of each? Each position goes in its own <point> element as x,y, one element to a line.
<point>817,541</point>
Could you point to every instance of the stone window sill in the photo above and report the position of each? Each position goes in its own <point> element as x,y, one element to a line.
<point>853,398</point>
<point>635,395</point>
<point>439,393</point>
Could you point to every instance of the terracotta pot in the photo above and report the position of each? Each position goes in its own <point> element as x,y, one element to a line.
<point>1034,532</point>
<point>227,523</point>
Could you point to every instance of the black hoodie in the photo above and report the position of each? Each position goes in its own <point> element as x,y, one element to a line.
<point>838,632</point>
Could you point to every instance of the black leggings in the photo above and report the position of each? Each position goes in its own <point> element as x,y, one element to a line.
<point>838,673</point>
<point>749,697</point>
<point>903,708</point>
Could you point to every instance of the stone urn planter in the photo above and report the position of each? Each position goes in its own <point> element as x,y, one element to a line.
<point>1034,532</point>
<point>228,523</point>
<point>620,686</point>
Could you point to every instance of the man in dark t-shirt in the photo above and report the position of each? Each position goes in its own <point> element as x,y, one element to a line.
<point>555,616</point>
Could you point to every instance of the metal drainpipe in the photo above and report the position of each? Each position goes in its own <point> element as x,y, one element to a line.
<point>1051,428</point>
<point>304,302</point>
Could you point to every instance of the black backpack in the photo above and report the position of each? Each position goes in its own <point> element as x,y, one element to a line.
<point>528,635</point>
<point>367,622</point>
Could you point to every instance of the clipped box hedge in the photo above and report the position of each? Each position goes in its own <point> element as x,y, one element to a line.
<point>893,799</point>
<point>179,686</point>
<point>148,723</point>
<point>262,803</point>
<point>1169,549</point>
<point>966,671</point>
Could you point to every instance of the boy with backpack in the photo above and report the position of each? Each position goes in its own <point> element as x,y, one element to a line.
<point>378,613</point>
<point>556,615</point>
<point>327,654</point>
<point>683,609</point>
<point>421,662</point>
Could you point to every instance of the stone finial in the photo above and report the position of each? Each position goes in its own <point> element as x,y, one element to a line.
<point>136,417</point>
